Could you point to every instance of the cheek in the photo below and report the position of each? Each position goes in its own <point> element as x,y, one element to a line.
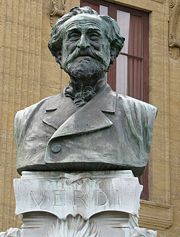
<point>106,49</point>
<point>69,47</point>
<point>96,45</point>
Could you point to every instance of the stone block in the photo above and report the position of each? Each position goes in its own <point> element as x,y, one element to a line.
<point>86,194</point>
<point>96,204</point>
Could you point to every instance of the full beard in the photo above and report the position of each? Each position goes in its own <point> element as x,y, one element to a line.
<point>85,69</point>
<point>85,65</point>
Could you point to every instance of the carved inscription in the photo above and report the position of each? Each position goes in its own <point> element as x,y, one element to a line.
<point>59,197</point>
<point>86,198</point>
<point>79,198</point>
<point>100,198</point>
<point>38,200</point>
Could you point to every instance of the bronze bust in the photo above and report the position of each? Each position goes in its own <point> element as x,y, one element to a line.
<point>88,126</point>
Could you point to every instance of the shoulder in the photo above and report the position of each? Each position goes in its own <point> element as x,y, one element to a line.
<point>140,117</point>
<point>132,104</point>
<point>23,116</point>
<point>28,111</point>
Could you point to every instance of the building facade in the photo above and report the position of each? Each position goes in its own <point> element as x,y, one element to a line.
<point>29,73</point>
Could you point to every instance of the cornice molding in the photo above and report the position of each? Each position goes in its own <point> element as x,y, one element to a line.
<point>57,10</point>
<point>160,1</point>
<point>155,216</point>
<point>174,40</point>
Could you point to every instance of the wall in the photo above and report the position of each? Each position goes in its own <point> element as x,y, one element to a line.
<point>28,73</point>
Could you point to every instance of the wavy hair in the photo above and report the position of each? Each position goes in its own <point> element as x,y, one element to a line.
<point>112,33</point>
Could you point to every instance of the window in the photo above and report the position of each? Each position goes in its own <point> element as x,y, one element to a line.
<point>130,73</point>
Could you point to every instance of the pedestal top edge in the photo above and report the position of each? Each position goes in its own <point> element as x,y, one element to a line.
<point>90,174</point>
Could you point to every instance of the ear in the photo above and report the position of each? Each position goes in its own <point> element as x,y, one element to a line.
<point>114,53</point>
<point>58,56</point>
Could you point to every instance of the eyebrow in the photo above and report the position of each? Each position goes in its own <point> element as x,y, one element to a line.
<point>72,30</point>
<point>94,30</point>
<point>78,30</point>
<point>96,25</point>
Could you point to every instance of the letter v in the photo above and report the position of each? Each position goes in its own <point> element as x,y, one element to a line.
<point>38,199</point>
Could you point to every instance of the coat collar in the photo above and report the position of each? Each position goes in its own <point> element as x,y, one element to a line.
<point>63,115</point>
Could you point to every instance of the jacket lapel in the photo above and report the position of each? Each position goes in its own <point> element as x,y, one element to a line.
<point>85,119</point>
<point>58,110</point>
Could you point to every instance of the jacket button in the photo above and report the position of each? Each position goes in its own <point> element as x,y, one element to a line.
<point>55,147</point>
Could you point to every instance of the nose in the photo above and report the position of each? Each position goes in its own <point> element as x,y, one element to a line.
<point>83,42</point>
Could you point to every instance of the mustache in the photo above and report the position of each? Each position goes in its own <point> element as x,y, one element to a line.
<point>85,52</point>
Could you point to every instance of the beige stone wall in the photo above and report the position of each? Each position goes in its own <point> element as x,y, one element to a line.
<point>20,63</point>
<point>174,90</point>
<point>28,73</point>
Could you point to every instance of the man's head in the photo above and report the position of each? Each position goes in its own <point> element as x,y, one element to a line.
<point>84,42</point>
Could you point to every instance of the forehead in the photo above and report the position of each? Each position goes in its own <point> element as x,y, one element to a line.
<point>85,22</point>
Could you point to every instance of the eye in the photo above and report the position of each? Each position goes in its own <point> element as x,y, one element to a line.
<point>94,36</point>
<point>73,36</point>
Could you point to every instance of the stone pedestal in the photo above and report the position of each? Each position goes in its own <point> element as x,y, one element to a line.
<point>93,204</point>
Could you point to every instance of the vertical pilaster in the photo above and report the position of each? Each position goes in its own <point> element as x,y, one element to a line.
<point>20,64</point>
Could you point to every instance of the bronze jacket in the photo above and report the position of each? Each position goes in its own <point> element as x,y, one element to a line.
<point>110,132</point>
